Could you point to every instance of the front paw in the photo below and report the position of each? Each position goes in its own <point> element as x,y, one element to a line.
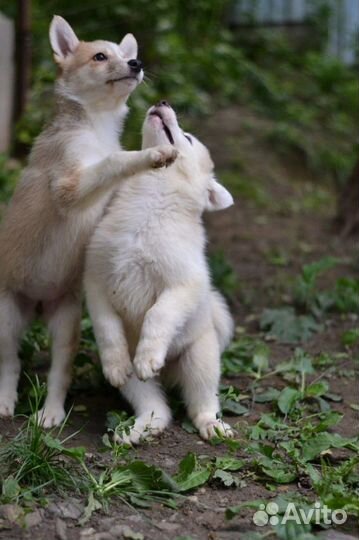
<point>117,371</point>
<point>162,156</point>
<point>51,415</point>
<point>147,364</point>
<point>215,428</point>
<point>7,404</point>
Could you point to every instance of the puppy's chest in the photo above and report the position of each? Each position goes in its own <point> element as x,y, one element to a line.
<point>95,144</point>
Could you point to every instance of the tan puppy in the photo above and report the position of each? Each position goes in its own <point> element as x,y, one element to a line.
<point>74,167</point>
<point>148,287</point>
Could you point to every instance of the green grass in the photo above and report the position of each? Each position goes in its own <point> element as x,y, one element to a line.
<point>37,462</point>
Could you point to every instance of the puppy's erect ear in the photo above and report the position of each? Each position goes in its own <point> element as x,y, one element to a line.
<point>62,38</point>
<point>128,46</point>
<point>218,197</point>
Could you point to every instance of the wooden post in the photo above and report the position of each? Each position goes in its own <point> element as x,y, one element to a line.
<point>23,57</point>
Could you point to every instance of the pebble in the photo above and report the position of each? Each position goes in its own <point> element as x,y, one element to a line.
<point>335,535</point>
<point>86,533</point>
<point>169,527</point>
<point>103,536</point>
<point>60,529</point>
<point>108,523</point>
<point>127,532</point>
<point>193,499</point>
<point>70,509</point>
<point>11,512</point>
<point>34,518</point>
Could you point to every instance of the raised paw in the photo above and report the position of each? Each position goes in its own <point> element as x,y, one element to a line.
<point>147,364</point>
<point>51,416</point>
<point>215,428</point>
<point>162,156</point>
<point>7,405</point>
<point>117,372</point>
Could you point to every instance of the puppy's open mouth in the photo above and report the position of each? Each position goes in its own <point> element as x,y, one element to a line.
<point>122,79</point>
<point>165,128</point>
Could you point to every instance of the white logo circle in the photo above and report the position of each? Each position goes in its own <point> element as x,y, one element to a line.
<point>339,520</point>
<point>260,518</point>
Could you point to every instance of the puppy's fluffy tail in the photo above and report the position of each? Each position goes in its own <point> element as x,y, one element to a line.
<point>222,319</point>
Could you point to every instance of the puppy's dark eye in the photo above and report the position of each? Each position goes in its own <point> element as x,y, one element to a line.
<point>99,57</point>
<point>188,138</point>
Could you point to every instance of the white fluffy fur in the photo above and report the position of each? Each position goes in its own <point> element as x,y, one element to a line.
<point>74,167</point>
<point>148,288</point>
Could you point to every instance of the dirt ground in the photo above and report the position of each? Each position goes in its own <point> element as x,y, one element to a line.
<point>293,219</point>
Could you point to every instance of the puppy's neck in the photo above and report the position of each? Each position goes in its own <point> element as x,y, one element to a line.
<point>105,117</point>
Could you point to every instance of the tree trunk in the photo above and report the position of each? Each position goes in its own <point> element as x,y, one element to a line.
<point>23,63</point>
<point>348,205</point>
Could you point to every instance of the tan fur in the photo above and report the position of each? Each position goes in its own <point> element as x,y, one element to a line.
<point>74,167</point>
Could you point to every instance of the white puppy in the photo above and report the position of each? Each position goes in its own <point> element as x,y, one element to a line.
<point>148,288</point>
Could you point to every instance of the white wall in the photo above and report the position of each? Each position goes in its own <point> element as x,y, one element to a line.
<point>7,47</point>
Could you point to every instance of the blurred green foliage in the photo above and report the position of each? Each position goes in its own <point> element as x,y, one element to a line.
<point>193,59</point>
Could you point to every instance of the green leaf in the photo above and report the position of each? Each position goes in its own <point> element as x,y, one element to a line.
<point>350,337</point>
<point>76,452</point>
<point>329,419</point>
<point>233,511</point>
<point>261,358</point>
<point>317,389</point>
<point>293,531</point>
<point>281,474</point>
<point>10,488</point>
<point>271,394</point>
<point>229,463</point>
<point>333,397</point>
<point>321,442</point>
<point>226,478</point>
<point>188,426</point>
<point>287,399</point>
<point>191,473</point>
<point>92,506</point>
<point>288,327</point>
<point>233,407</point>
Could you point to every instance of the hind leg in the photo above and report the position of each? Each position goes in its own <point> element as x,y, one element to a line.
<point>109,333</point>
<point>198,373</point>
<point>63,320</point>
<point>153,414</point>
<point>13,321</point>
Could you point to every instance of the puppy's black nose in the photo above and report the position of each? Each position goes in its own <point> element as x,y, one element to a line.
<point>163,103</point>
<point>135,65</point>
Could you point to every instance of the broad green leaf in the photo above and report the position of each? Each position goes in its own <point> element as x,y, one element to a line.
<point>271,394</point>
<point>317,389</point>
<point>10,488</point>
<point>312,448</point>
<point>191,473</point>
<point>281,475</point>
<point>232,511</point>
<point>188,426</point>
<point>350,337</point>
<point>226,478</point>
<point>261,358</point>
<point>233,407</point>
<point>287,399</point>
<point>288,327</point>
<point>92,506</point>
<point>329,419</point>
<point>229,463</point>
<point>293,531</point>
<point>333,397</point>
